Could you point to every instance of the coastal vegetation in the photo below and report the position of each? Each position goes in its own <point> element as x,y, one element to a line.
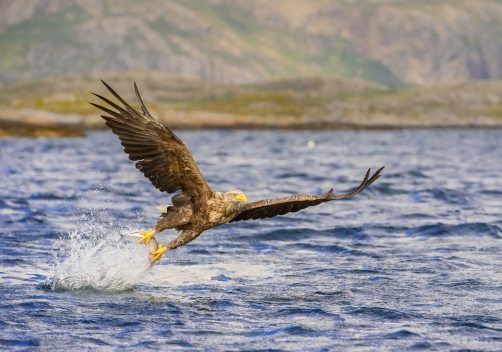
<point>282,104</point>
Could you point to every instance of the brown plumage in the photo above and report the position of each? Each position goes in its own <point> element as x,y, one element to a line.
<point>166,161</point>
<point>268,208</point>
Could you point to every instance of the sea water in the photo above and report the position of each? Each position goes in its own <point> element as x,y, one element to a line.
<point>413,262</point>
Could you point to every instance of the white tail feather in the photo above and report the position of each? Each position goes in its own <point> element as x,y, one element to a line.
<point>163,208</point>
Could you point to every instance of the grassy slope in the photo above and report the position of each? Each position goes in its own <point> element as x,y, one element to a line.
<point>300,101</point>
<point>279,44</point>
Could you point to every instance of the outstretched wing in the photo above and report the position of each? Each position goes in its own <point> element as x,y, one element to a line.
<point>269,208</point>
<point>161,156</point>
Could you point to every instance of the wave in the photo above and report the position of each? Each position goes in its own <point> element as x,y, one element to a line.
<point>448,196</point>
<point>468,229</point>
<point>381,313</point>
<point>343,233</point>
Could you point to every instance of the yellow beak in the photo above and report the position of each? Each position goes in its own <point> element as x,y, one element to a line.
<point>241,198</point>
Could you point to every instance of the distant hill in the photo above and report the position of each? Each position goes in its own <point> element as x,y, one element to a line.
<point>392,42</point>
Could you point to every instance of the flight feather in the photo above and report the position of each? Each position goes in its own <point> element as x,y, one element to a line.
<point>159,154</point>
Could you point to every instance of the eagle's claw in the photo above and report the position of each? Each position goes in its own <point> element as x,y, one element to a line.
<point>157,255</point>
<point>147,236</point>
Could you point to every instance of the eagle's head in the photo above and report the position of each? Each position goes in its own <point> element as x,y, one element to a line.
<point>235,196</point>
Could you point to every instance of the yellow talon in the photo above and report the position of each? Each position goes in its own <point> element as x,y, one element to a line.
<point>147,236</point>
<point>157,255</point>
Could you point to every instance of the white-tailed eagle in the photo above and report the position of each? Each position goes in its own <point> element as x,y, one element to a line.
<point>166,161</point>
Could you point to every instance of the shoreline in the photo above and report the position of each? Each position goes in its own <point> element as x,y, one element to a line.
<point>61,105</point>
<point>24,130</point>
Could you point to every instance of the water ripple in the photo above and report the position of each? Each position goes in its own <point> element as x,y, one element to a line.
<point>412,263</point>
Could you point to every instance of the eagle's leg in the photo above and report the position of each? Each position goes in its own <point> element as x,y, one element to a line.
<point>186,237</point>
<point>170,220</point>
<point>174,217</point>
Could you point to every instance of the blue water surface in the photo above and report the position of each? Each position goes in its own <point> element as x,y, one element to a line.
<point>413,262</point>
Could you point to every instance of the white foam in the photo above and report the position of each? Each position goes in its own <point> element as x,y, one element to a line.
<point>94,256</point>
<point>98,261</point>
<point>99,264</point>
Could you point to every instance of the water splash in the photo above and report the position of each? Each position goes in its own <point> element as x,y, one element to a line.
<point>95,257</point>
<point>98,262</point>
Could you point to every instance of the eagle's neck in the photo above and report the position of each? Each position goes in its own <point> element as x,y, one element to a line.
<point>220,210</point>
